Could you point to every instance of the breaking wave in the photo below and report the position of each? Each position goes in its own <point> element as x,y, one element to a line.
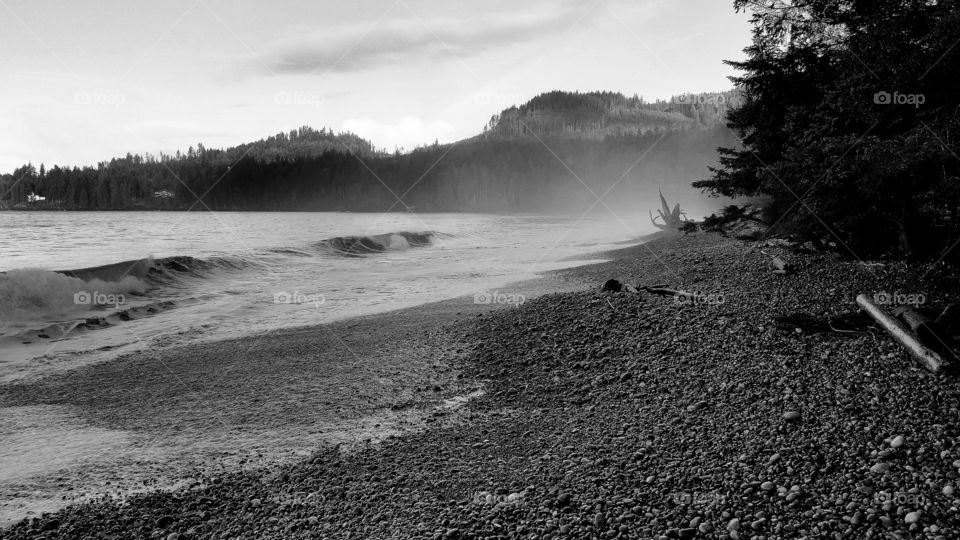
<point>45,295</point>
<point>353,246</point>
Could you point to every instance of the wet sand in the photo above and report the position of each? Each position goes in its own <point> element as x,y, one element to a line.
<point>166,419</point>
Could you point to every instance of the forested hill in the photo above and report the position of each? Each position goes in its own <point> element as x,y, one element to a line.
<point>305,142</point>
<point>585,142</point>
<point>600,114</point>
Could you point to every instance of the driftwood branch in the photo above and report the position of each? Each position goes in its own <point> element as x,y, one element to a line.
<point>926,357</point>
<point>670,220</point>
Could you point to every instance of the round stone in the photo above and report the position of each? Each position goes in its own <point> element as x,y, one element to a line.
<point>897,441</point>
<point>791,416</point>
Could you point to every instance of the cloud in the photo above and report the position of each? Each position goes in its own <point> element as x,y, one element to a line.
<point>357,47</point>
<point>410,132</point>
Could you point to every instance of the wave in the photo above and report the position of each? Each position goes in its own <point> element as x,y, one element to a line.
<point>62,330</point>
<point>161,270</point>
<point>40,296</point>
<point>353,246</point>
<point>32,294</point>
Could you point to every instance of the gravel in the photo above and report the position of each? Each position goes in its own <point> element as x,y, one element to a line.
<point>564,445</point>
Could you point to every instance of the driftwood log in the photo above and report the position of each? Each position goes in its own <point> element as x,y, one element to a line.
<point>926,357</point>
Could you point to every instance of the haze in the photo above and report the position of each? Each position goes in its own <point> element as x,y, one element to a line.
<point>87,81</point>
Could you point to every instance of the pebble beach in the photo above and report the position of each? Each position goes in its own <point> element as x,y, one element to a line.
<point>578,414</point>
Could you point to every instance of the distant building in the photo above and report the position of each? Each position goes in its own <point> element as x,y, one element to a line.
<point>162,194</point>
<point>33,197</point>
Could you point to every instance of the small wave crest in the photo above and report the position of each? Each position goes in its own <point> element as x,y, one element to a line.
<point>33,294</point>
<point>366,245</point>
<point>28,293</point>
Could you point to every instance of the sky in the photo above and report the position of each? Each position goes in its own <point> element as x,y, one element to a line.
<point>85,80</point>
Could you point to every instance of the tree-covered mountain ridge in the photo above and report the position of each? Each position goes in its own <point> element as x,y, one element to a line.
<point>504,168</point>
<point>602,114</point>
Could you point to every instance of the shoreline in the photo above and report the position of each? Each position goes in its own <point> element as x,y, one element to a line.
<point>95,408</point>
<point>613,415</point>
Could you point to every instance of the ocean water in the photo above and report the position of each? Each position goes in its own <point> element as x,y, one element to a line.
<point>83,286</point>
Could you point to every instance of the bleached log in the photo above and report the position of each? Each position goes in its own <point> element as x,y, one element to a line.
<point>929,359</point>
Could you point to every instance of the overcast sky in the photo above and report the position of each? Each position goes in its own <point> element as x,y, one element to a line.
<point>87,80</point>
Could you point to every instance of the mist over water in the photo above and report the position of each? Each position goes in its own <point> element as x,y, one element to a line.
<point>80,287</point>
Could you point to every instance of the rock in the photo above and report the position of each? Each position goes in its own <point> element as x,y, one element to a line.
<point>768,486</point>
<point>164,521</point>
<point>912,517</point>
<point>897,441</point>
<point>744,229</point>
<point>686,534</point>
<point>600,520</point>
<point>791,416</point>
<point>948,490</point>
<point>255,503</point>
<point>563,500</point>
<point>611,285</point>
<point>313,520</point>
<point>880,468</point>
<point>173,536</point>
<point>705,528</point>
<point>733,524</point>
